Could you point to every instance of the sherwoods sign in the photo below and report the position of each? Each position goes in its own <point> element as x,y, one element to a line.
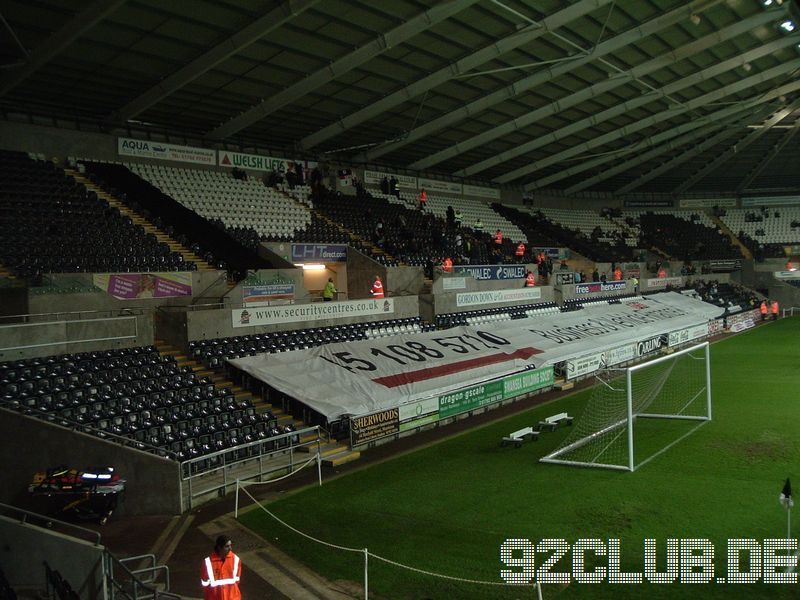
<point>375,426</point>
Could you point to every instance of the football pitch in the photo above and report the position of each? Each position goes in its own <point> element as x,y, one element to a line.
<point>449,508</point>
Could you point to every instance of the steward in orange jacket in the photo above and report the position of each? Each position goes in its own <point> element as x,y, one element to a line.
<point>763,309</point>
<point>774,308</point>
<point>447,265</point>
<point>530,281</point>
<point>221,572</point>
<point>377,288</point>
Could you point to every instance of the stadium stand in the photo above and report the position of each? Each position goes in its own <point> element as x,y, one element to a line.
<point>49,223</point>
<point>765,232</point>
<point>684,235</point>
<point>190,228</point>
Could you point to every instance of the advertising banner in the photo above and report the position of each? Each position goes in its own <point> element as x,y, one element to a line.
<point>495,296</point>
<point>454,283</point>
<point>164,151</point>
<point>417,414</point>
<point>648,203</point>
<point>133,286</point>
<point>259,162</point>
<point>663,283</point>
<point>299,313</point>
<point>252,295</point>
<point>683,336</point>
<point>771,201</point>
<point>599,286</point>
<point>787,274</point>
<point>527,382</point>
<point>492,272</point>
<point>319,253</point>
<point>434,185</point>
<point>707,202</point>
<point>617,356</point>
<point>374,178</point>
<point>481,192</point>
<point>584,365</point>
<point>725,266</point>
<point>375,426</point>
<point>470,399</point>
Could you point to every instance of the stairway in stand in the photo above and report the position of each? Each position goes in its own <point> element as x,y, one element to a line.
<point>333,453</point>
<point>138,219</point>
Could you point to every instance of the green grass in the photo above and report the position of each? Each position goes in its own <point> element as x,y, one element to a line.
<point>448,507</point>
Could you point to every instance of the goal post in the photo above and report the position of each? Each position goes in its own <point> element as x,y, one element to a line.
<point>637,413</point>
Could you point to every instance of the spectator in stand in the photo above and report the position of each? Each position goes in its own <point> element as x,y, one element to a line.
<point>635,284</point>
<point>540,258</point>
<point>423,199</point>
<point>595,275</point>
<point>498,238</point>
<point>478,226</point>
<point>617,274</point>
<point>451,217</point>
<point>377,287</point>
<point>458,217</point>
<point>542,268</point>
<point>447,265</point>
<point>329,292</point>
<point>394,188</point>
<point>530,280</point>
<point>584,279</point>
<point>774,309</point>
<point>291,176</point>
<point>578,277</point>
<point>763,309</point>
<point>385,185</point>
<point>662,273</point>
<point>520,252</point>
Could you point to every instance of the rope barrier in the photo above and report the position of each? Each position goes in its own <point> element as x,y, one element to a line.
<point>378,557</point>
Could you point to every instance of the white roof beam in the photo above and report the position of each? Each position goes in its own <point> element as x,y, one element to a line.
<point>768,158</point>
<point>583,95</point>
<point>213,57</point>
<point>654,140</point>
<point>61,39</point>
<point>455,69</point>
<point>542,76</point>
<point>661,117</point>
<point>738,147</point>
<point>354,59</point>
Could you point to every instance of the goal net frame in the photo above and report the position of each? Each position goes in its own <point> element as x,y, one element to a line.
<point>628,421</point>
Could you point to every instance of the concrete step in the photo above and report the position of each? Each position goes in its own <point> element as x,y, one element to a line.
<point>341,458</point>
<point>325,450</point>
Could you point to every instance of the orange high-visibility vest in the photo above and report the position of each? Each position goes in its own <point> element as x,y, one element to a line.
<point>447,266</point>
<point>530,281</point>
<point>763,307</point>
<point>377,289</point>
<point>662,274</point>
<point>618,274</point>
<point>775,307</point>
<point>520,249</point>
<point>220,578</point>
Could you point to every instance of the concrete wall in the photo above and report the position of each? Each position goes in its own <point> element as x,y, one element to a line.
<point>361,272</point>
<point>153,482</point>
<point>59,143</point>
<point>27,546</point>
<point>404,281</point>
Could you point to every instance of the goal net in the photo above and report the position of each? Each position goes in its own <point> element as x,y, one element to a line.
<point>637,413</point>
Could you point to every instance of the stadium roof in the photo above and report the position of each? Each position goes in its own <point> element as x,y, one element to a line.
<point>575,96</point>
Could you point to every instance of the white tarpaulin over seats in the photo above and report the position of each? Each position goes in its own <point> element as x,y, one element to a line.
<point>357,378</point>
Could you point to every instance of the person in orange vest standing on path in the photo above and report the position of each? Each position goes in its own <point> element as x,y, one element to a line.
<point>530,281</point>
<point>763,309</point>
<point>221,572</point>
<point>617,274</point>
<point>447,264</point>
<point>377,288</point>
<point>774,310</point>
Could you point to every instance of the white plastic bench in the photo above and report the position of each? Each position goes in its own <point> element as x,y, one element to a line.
<point>519,437</point>
<point>553,422</point>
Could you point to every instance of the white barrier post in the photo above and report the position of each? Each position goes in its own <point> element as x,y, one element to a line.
<point>366,574</point>
<point>319,468</point>
<point>236,509</point>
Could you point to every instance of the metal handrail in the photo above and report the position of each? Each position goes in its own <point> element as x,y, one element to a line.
<point>125,311</point>
<point>85,428</point>
<point>118,587</point>
<point>29,513</point>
